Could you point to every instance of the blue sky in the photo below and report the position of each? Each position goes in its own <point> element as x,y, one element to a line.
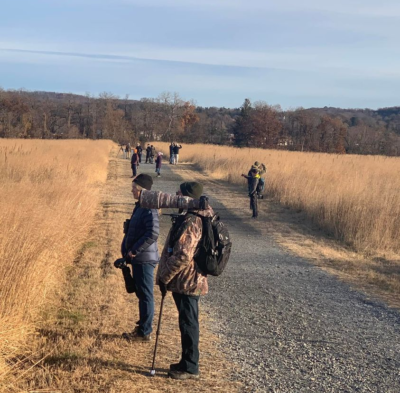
<point>218,52</point>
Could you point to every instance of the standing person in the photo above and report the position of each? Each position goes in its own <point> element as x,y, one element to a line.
<point>261,170</point>
<point>139,246</point>
<point>134,163</point>
<point>171,153</point>
<point>152,154</point>
<point>148,150</point>
<point>176,153</point>
<point>139,152</point>
<point>128,150</point>
<point>177,273</point>
<point>158,163</point>
<point>252,182</point>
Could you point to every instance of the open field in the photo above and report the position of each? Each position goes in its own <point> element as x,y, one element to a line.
<point>354,198</point>
<point>49,191</point>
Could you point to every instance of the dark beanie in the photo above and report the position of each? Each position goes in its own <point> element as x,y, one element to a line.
<point>144,181</point>
<point>191,189</point>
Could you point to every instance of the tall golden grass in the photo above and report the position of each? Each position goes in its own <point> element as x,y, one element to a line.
<point>48,195</point>
<point>354,198</point>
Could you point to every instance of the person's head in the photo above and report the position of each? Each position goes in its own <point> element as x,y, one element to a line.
<point>256,163</point>
<point>139,183</point>
<point>151,146</point>
<point>191,189</point>
<point>160,153</point>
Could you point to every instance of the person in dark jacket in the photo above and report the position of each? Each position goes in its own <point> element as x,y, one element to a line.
<point>261,170</point>
<point>171,153</point>
<point>139,152</point>
<point>158,163</point>
<point>139,246</point>
<point>148,151</point>
<point>134,163</point>
<point>252,183</point>
<point>152,154</point>
<point>176,153</point>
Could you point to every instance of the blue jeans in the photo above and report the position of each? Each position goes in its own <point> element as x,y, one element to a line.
<point>143,276</point>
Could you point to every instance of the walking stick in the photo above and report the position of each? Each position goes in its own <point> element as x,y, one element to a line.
<point>153,371</point>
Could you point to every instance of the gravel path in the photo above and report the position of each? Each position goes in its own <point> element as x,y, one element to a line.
<point>289,326</point>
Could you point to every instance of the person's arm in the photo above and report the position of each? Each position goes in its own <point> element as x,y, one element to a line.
<point>152,225</point>
<point>262,170</point>
<point>183,251</point>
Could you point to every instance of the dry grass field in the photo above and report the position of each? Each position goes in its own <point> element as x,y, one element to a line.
<point>75,343</point>
<point>354,198</point>
<point>49,191</point>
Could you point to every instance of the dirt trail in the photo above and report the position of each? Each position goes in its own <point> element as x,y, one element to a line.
<point>80,339</point>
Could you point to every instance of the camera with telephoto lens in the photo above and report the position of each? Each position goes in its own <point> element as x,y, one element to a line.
<point>126,226</point>
<point>120,263</point>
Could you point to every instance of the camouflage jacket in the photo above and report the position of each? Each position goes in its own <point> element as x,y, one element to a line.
<point>178,269</point>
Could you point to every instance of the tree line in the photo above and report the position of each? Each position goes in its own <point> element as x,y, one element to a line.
<point>168,117</point>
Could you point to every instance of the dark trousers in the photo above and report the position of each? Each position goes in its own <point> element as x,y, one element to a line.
<point>143,277</point>
<point>140,157</point>
<point>253,204</point>
<point>188,308</point>
<point>134,169</point>
<point>147,157</point>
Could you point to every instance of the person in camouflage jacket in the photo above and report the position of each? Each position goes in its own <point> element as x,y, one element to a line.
<point>178,273</point>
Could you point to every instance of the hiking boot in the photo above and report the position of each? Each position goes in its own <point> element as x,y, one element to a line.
<point>136,335</point>
<point>182,375</point>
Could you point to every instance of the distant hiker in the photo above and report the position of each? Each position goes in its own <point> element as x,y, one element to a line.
<point>158,163</point>
<point>252,182</point>
<point>261,170</point>
<point>148,151</point>
<point>128,150</point>
<point>139,152</point>
<point>139,246</point>
<point>178,273</point>
<point>176,153</point>
<point>152,154</point>
<point>171,153</point>
<point>134,163</point>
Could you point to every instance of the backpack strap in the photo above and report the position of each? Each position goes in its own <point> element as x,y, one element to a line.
<point>180,225</point>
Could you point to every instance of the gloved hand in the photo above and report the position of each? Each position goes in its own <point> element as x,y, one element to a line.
<point>163,288</point>
<point>120,263</point>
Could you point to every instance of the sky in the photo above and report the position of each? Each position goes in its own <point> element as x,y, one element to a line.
<point>295,53</point>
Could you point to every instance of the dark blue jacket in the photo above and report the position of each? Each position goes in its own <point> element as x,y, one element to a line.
<point>142,236</point>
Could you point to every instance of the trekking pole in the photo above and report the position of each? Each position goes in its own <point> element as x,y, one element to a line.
<point>153,371</point>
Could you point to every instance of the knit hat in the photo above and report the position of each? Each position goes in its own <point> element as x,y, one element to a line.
<point>144,181</point>
<point>191,189</point>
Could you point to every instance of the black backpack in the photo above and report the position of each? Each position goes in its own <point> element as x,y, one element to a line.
<point>214,247</point>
